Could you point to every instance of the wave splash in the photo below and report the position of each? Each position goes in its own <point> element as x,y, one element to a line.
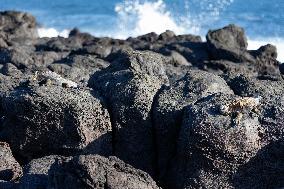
<point>137,17</point>
<point>52,32</point>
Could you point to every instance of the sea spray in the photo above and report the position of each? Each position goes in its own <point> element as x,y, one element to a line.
<point>137,17</point>
<point>52,32</point>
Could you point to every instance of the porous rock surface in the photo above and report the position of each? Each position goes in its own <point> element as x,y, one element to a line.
<point>101,173</point>
<point>129,85</point>
<point>44,120</point>
<point>218,134</point>
<point>157,110</point>
<point>10,169</point>
<point>169,105</point>
<point>36,172</point>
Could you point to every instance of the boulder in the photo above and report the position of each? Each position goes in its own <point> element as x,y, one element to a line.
<point>10,69</point>
<point>8,83</point>
<point>50,119</point>
<point>10,169</point>
<point>78,67</point>
<point>194,51</point>
<point>36,173</point>
<point>59,44</point>
<point>219,133</point>
<point>3,43</point>
<point>129,87</point>
<point>229,43</point>
<point>149,37</point>
<point>25,57</point>
<point>229,69</point>
<point>166,36</point>
<point>84,37</point>
<point>168,110</point>
<point>266,60</point>
<point>102,47</point>
<point>270,110</point>
<point>178,59</point>
<point>265,170</point>
<point>96,172</point>
<point>15,25</point>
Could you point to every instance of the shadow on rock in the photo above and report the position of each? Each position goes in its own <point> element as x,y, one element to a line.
<point>265,170</point>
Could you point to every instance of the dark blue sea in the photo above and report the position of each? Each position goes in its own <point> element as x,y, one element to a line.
<point>263,20</point>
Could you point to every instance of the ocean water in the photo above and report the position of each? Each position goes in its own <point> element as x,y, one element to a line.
<point>263,20</point>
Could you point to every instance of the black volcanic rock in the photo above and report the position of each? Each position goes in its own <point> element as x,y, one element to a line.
<point>96,172</point>
<point>219,133</point>
<point>59,44</point>
<point>229,43</point>
<point>10,69</point>
<point>254,129</point>
<point>266,62</point>
<point>85,171</point>
<point>168,110</point>
<point>129,86</point>
<point>229,68</point>
<point>14,25</point>
<point>191,114</point>
<point>10,169</point>
<point>78,67</point>
<point>44,120</point>
<point>265,170</point>
<point>270,110</point>
<point>36,172</point>
<point>25,58</point>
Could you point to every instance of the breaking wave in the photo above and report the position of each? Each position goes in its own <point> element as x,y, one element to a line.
<point>52,32</point>
<point>138,17</point>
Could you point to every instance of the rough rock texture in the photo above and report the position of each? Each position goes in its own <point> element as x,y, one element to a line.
<point>219,133</point>
<point>36,173</point>
<point>189,113</point>
<point>229,43</point>
<point>10,169</point>
<point>78,67</point>
<point>129,85</point>
<point>96,172</point>
<point>15,25</point>
<point>24,58</point>
<point>265,170</point>
<point>265,60</point>
<point>168,109</point>
<point>43,120</point>
<point>271,109</point>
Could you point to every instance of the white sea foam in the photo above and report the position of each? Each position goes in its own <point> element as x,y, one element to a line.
<point>137,18</point>
<point>51,32</point>
<point>254,44</point>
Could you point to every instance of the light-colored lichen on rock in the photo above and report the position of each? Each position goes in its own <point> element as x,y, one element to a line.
<point>240,104</point>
